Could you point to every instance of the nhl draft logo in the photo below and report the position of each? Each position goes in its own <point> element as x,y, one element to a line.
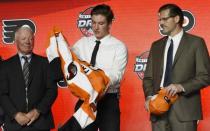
<point>188,24</point>
<point>10,26</point>
<point>141,63</point>
<point>84,22</point>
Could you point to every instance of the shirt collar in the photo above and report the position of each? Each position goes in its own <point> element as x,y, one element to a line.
<point>104,39</point>
<point>178,36</point>
<point>21,54</point>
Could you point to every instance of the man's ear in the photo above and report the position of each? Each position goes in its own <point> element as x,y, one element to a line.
<point>177,19</point>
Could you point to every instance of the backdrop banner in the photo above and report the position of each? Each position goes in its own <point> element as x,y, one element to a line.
<point>135,23</point>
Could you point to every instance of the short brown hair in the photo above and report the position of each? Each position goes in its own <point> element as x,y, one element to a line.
<point>104,10</point>
<point>174,10</point>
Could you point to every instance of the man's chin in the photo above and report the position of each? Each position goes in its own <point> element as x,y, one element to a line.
<point>26,52</point>
<point>98,37</point>
<point>165,33</point>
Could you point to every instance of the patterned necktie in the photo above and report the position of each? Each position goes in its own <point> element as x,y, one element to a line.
<point>26,70</point>
<point>26,77</point>
<point>93,58</point>
<point>169,62</point>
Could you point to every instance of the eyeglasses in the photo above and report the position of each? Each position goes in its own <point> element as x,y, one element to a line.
<point>165,18</point>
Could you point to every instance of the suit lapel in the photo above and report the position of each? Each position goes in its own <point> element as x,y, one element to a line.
<point>161,52</point>
<point>17,70</point>
<point>181,48</point>
<point>32,68</point>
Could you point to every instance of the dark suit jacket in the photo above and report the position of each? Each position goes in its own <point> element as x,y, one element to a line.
<point>41,91</point>
<point>1,110</point>
<point>191,69</point>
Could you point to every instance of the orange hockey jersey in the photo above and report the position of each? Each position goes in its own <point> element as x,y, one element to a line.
<point>85,82</point>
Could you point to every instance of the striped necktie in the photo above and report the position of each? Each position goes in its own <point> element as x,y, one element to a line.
<point>26,77</point>
<point>26,70</point>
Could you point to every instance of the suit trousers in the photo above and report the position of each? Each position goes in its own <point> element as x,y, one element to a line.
<point>108,115</point>
<point>169,122</point>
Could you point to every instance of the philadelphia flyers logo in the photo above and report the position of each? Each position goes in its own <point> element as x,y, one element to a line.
<point>10,26</point>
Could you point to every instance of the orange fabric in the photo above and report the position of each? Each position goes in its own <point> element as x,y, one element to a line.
<point>86,107</point>
<point>96,77</point>
<point>78,92</point>
<point>161,103</point>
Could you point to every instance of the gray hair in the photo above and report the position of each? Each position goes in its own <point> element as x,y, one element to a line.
<point>23,27</point>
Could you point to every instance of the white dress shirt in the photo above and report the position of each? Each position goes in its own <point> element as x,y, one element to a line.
<point>111,57</point>
<point>176,41</point>
<point>22,61</point>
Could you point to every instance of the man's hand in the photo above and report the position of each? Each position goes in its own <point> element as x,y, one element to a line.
<point>21,118</point>
<point>173,89</point>
<point>33,115</point>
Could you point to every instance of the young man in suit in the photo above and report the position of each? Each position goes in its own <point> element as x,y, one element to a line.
<point>27,92</point>
<point>179,63</point>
